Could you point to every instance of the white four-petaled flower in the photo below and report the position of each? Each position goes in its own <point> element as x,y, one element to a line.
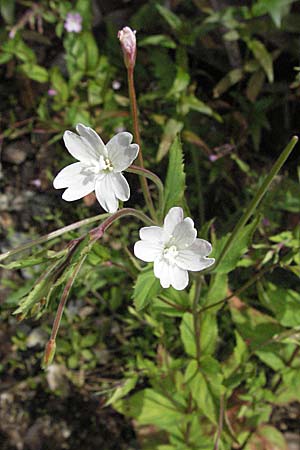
<point>99,168</point>
<point>174,249</point>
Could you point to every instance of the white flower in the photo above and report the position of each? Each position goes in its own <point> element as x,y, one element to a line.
<point>174,249</point>
<point>99,167</point>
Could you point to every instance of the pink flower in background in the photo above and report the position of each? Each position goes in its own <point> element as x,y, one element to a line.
<point>52,92</point>
<point>128,42</point>
<point>73,22</point>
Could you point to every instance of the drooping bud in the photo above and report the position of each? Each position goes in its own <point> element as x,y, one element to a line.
<point>128,43</point>
<point>49,353</point>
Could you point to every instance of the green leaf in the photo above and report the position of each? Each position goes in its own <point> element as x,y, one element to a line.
<point>208,333</point>
<point>201,391</point>
<point>180,83</point>
<point>239,248</point>
<point>254,326</point>
<point>267,437</point>
<point>88,341</point>
<point>187,334</point>
<point>151,407</point>
<point>284,303</point>
<point>171,129</point>
<point>175,180</point>
<point>217,290</point>
<point>91,49</point>
<point>59,84</point>
<point>39,291</point>
<point>158,39</point>
<point>232,77</point>
<point>146,288</point>
<point>35,72</point>
<point>173,20</point>
<point>123,390</point>
<point>264,58</point>
<point>190,102</point>
<point>7,9</point>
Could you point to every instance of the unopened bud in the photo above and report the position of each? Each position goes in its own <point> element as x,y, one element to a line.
<point>128,43</point>
<point>49,353</point>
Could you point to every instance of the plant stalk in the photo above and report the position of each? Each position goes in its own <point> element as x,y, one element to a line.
<point>136,132</point>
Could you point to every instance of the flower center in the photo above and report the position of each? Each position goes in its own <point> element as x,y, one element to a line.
<point>105,164</point>
<point>170,253</point>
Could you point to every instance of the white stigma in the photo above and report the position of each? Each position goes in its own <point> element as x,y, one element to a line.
<point>170,253</point>
<point>105,164</point>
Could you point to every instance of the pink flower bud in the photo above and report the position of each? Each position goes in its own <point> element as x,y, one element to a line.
<point>128,43</point>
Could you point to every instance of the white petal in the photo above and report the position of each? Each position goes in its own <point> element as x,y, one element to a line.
<point>189,260</point>
<point>78,190</point>
<point>80,148</point>
<point>92,138</point>
<point>184,234</point>
<point>201,247</point>
<point>106,195</point>
<point>120,186</point>
<point>162,271</point>
<point>152,234</point>
<point>179,278</point>
<point>74,173</point>
<point>121,152</point>
<point>174,216</point>
<point>147,251</point>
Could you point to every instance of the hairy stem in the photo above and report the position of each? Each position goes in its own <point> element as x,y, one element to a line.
<point>98,232</point>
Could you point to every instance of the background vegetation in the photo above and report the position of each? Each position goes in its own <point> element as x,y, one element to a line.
<point>225,76</point>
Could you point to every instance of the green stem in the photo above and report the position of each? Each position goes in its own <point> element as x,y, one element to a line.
<point>151,176</point>
<point>256,200</point>
<point>52,235</point>
<point>136,131</point>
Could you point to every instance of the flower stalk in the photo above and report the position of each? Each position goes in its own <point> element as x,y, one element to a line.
<point>51,345</point>
<point>137,137</point>
<point>153,177</point>
<point>98,232</point>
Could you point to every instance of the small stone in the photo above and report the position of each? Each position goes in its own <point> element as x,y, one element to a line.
<point>16,152</point>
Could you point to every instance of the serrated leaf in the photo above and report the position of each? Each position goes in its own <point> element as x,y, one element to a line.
<point>151,407</point>
<point>264,58</point>
<point>175,180</point>
<point>146,288</point>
